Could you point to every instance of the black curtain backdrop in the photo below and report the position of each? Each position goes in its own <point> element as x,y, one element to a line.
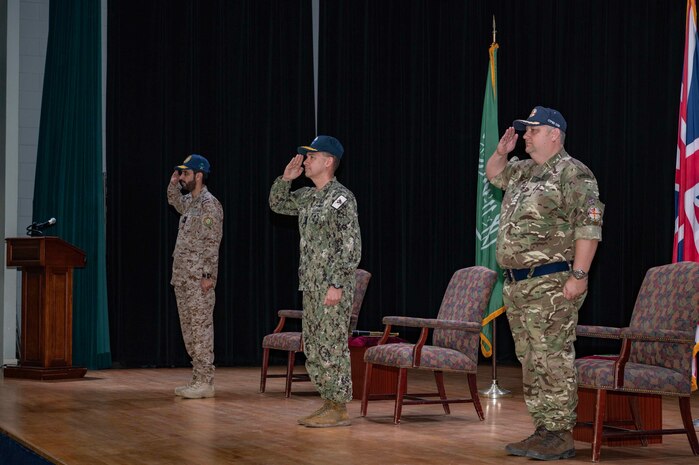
<point>232,81</point>
<point>401,85</point>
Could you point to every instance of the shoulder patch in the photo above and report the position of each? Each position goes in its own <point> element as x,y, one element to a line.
<point>208,221</point>
<point>595,215</point>
<point>340,201</point>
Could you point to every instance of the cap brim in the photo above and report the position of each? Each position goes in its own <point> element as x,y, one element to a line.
<point>304,149</point>
<point>182,167</point>
<point>521,124</point>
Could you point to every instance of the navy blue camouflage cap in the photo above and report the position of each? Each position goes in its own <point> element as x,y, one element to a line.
<point>195,162</point>
<point>542,116</point>
<point>323,144</point>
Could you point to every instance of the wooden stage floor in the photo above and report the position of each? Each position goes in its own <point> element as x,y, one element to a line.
<point>131,417</point>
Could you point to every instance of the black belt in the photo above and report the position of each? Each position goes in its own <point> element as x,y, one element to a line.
<point>541,270</point>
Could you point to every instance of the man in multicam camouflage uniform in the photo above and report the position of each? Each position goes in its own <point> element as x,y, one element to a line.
<point>550,224</point>
<point>195,268</point>
<point>331,248</point>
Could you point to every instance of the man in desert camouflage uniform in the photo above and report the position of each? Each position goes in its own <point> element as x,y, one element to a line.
<point>331,248</point>
<point>195,268</point>
<point>550,224</point>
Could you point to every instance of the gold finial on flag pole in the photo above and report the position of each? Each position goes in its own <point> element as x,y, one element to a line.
<point>494,30</point>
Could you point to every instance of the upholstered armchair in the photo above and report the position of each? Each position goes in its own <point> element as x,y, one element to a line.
<point>455,343</point>
<point>292,341</point>
<point>655,357</point>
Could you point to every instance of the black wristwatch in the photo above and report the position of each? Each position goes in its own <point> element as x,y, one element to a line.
<point>579,274</point>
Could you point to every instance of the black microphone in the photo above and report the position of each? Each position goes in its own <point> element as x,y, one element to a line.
<point>45,224</point>
<point>36,229</point>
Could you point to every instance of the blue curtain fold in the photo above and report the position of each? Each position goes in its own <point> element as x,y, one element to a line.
<point>69,174</point>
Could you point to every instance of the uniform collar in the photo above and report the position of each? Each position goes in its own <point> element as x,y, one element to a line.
<point>327,184</point>
<point>551,162</point>
<point>201,192</point>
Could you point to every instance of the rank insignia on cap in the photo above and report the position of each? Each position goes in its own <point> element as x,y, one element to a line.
<point>208,221</point>
<point>595,214</point>
<point>339,202</point>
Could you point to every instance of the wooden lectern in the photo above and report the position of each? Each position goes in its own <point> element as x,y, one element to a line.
<point>46,342</point>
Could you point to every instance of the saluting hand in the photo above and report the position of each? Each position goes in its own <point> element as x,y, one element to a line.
<point>294,169</point>
<point>175,178</point>
<point>507,142</point>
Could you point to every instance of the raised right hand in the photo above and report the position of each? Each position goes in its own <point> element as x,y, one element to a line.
<point>294,169</point>
<point>175,178</point>
<point>507,142</point>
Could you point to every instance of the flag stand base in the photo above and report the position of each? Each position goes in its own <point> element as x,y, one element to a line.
<point>495,391</point>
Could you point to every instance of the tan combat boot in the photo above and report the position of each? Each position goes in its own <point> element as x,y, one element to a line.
<point>180,389</point>
<point>198,390</point>
<point>335,415</point>
<point>326,405</point>
<point>520,448</point>
<point>554,445</point>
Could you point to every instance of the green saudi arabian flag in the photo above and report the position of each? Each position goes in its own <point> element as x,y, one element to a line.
<point>488,201</point>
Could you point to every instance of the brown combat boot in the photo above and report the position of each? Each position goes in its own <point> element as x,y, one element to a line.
<point>326,405</point>
<point>335,415</point>
<point>554,445</point>
<point>522,447</point>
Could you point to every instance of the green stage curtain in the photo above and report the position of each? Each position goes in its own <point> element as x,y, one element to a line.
<point>69,179</point>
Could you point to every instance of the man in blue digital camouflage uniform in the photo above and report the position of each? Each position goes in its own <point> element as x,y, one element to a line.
<point>331,248</point>
<point>550,224</point>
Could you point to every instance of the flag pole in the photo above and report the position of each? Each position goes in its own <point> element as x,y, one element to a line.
<point>494,391</point>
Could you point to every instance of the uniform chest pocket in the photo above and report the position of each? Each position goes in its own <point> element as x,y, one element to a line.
<point>189,226</point>
<point>539,201</point>
<point>317,216</point>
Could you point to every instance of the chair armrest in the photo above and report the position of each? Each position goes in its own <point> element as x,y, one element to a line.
<point>469,326</point>
<point>290,314</point>
<point>650,335</point>
<point>658,335</point>
<point>283,315</point>
<point>604,332</point>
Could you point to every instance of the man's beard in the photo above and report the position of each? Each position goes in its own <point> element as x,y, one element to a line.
<point>185,188</point>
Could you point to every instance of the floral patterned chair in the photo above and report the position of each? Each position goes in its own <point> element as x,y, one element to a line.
<point>454,348</point>
<point>656,353</point>
<point>292,342</point>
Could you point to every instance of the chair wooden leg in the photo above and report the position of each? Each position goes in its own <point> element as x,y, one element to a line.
<point>402,387</point>
<point>598,426</point>
<point>636,417</point>
<point>439,379</point>
<point>366,392</point>
<point>686,412</point>
<point>265,366</point>
<point>289,372</point>
<point>473,387</point>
